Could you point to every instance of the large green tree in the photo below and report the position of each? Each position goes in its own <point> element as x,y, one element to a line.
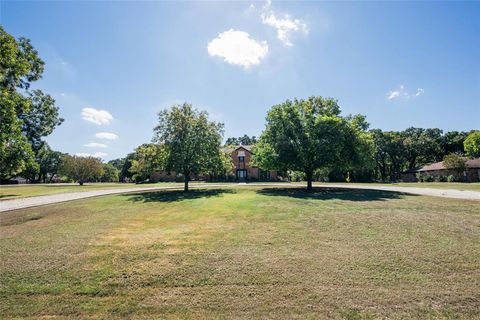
<point>307,135</point>
<point>421,146</point>
<point>192,142</point>
<point>472,144</point>
<point>452,142</point>
<point>25,116</point>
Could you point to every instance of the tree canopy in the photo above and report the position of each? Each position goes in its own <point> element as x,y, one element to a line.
<point>192,142</point>
<point>82,169</point>
<point>148,158</point>
<point>307,135</point>
<point>25,116</point>
<point>472,144</point>
<point>244,141</point>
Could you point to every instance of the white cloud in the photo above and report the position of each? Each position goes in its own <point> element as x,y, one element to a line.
<point>267,5</point>
<point>95,155</point>
<point>236,47</point>
<point>420,91</point>
<point>403,93</point>
<point>82,154</point>
<point>95,145</point>
<point>285,26</point>
<point>106,135</point>
<point>96,116</point>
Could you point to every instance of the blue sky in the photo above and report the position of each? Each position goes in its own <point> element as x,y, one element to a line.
<point>111,66</point>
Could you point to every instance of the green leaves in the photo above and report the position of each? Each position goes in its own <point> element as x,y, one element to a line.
<point>24,119</point>
<point>82,169</point>
<point>148,158</point>
<point>192,142</point>
<point>472,144</point>
<point>307,135</point>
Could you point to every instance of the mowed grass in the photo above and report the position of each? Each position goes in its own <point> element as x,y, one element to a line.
<point>31,190</point>
<point>243,253</point>
<point>473,186</point>
<point>23,191</point>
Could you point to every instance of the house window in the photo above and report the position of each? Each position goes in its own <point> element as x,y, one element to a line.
<point>241,174</point>
<point>241,159</point>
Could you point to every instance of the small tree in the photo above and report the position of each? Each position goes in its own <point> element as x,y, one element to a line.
<point>82,169</point>
<point>192,142</point>
<point>472,144</point>
<point>221,166</point>
<point>148,158</point>
<point>455,163</point>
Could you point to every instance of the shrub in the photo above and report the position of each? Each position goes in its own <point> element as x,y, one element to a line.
<point>296,176</point>
<point>426,178</point>
<point>442,179</point>
<point>451,178</point>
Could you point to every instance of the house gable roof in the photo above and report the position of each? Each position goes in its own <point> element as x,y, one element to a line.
<point>246,147</point>
<point>231,149</point>
<point>471,164</point>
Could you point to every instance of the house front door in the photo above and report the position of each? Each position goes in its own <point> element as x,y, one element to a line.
<point>242,175</point>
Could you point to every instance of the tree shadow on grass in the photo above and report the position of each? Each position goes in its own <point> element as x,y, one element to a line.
<point>176,195</point>
<point>325,193</point>
<point>7,195</point>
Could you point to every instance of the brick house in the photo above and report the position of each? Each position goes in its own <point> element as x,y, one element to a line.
<point>244,170</point>
<point>471,174</point>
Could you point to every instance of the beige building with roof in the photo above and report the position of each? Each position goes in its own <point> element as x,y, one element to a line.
<point>437,169</point>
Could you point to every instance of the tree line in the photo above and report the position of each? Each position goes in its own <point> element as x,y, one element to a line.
<point>304,139</point>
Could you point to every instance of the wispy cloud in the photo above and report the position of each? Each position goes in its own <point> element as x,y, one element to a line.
<point>236,47</point>
<point>285,25</point>
<point>106,135</point>
<point>402,92</point>
<point>95,155</point>
<point>96,116</point>
<point>95,145</point>
<point>420,92</point>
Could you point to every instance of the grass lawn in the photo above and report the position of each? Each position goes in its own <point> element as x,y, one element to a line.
<point>474,186</point>
<point>247,252</point>
<point>31,190</point>
<point>22,191</point>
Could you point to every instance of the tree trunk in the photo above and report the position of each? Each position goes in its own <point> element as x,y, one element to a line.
<point>309,175</point>
<point>187,178</point>
<point>80,182</point>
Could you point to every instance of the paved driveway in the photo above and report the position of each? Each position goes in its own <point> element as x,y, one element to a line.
<point>15,204</point>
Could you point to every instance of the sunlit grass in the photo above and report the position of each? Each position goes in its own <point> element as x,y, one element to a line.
<point>474,186</point>
<point>31,190</point>
<point>245,253</point>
